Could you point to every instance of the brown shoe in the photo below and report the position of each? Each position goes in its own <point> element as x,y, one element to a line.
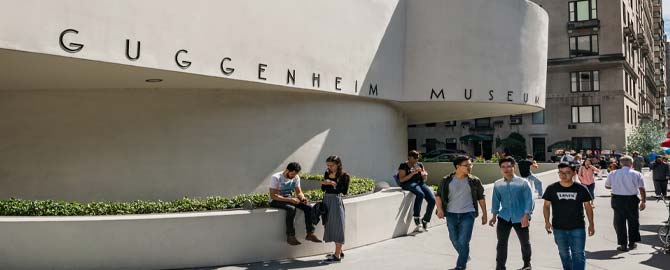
<point>313,238</point>
<point>291,240</point>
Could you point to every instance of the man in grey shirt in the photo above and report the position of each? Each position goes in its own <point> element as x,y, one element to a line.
<point>625,184</point>
<point>457,197</point>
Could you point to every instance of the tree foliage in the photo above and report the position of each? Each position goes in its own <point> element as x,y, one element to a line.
<point>646,138</point>
<point>514,145</point>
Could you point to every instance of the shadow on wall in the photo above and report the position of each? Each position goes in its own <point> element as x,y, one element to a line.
<point>123,145</point>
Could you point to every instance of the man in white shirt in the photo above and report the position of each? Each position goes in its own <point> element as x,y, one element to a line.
<point>626,184</point>
<point>282,187</point>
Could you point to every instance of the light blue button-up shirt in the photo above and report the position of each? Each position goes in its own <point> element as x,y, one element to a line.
<point>512,199</point>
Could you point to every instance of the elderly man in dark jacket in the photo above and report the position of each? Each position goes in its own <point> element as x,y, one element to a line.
<point>660,174</point>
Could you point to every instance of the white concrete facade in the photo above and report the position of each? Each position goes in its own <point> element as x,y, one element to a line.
<point>247,86</point>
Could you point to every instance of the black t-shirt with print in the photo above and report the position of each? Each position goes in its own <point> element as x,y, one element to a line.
<point>567,208</point>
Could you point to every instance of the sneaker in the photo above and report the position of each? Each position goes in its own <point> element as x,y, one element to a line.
<point>417,221</point>
<point>313,238</point>
<point>622,248</point>
<point>291,240</point>
<point>333,255</point>
<point>418,228</point>
<point>424,224</point>
<point>333,259</point>
<point>632,246</point>
<point>527,267</point>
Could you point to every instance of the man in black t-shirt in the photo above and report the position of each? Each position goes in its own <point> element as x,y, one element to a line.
<point>567,200</point>
<point>412,176</point>
<point>525,172</point>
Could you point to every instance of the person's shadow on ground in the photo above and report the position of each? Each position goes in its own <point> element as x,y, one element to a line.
<point>280,264</point>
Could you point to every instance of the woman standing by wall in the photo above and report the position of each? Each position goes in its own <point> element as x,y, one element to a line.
<point>335,183</point>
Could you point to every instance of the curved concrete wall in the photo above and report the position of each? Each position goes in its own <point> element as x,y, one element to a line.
<point>247,86</point>
<point>144,144</point>
<point>168,241</point>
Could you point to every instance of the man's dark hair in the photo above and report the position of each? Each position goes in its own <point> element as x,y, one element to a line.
<point>459,159</point>
<point>506,159</point>
<point>572,166</point>
<point>414,154</point>
<point>529,156</point>
<point>293,167</point>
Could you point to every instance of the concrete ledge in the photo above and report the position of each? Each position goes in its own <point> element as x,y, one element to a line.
<point>487,172</point>
<point>164,241</point>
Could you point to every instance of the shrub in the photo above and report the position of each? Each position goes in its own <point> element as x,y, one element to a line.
<point>19,207</point>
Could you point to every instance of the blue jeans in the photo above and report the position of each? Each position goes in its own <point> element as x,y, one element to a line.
<point>571,248</point>
<point>421,191</point>
<point>460,233</point>
<point>536,183</point>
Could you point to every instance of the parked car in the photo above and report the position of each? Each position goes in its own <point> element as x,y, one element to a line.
<point>449,157</point>
<point>438,152</point>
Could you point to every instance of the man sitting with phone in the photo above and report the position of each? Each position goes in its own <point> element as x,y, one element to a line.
<point>282,186</point>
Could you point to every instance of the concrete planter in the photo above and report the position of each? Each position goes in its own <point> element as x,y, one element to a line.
<point>165,241</point>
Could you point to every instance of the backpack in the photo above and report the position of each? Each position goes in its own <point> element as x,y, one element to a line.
<point>396,177</point>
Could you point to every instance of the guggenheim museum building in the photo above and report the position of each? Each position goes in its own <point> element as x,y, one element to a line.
<point>126,100</point>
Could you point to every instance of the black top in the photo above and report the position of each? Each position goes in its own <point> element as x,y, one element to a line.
<point>567,205</point>
<point>603,164</point>
<point>415,178</point>
<point>524,167</point>
<point>342,184</point>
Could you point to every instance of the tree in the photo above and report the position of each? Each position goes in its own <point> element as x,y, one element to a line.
<point>514,145</point>
<point>646,138</point>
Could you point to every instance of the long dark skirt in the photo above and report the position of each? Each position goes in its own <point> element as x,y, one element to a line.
<point>334,228</point>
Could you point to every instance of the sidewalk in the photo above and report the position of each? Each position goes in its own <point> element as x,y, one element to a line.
<point>433,250</point>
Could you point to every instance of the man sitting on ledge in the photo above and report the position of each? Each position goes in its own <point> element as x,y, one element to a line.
<point>282,186</point>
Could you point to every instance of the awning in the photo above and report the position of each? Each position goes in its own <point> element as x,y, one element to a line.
<point>666,143</point>
<point>476,137</point>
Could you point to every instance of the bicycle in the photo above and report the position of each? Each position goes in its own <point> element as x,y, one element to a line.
<point>664,230</point>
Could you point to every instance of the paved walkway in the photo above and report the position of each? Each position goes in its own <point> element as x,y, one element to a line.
<point>432,249</point>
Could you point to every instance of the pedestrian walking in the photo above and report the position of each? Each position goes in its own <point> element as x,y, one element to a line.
<point>565,202</point>
<point>512,208</point>
<point>457,198</point>
<point>660,173</point>
<point>626,183</point>
<point>586,177</point>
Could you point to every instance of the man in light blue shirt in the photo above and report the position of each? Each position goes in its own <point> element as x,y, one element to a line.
<point>626,184</point>
<point>512,207</point>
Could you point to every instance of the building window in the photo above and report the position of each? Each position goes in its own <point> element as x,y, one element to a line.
<point>431,125</point>
<point>483,123</point>
<point>450,124</point>
<point>515,119</point>
<point>538,118</point>
<point>627,115</point>
<point>411,126</point>
<point>586,114</point>
<point>583,45</point>
<point>584,81</point>
<point>586,143</point>
<point>431,144</point>
<point>583,10</point>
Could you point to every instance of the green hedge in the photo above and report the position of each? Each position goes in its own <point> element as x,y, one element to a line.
<point>19,207</point>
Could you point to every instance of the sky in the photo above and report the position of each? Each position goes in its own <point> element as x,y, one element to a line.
<point>666,16</point>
